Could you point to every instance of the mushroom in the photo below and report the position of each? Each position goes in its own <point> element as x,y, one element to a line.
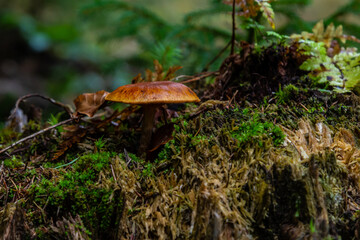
<point>151,95</point>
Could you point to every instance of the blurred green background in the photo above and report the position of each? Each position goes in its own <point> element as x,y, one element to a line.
<point>63,48</point>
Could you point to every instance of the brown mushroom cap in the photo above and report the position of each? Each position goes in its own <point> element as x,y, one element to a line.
<point>153,93</point>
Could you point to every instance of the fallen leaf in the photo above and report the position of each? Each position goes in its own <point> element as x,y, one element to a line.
<point>89,103</point>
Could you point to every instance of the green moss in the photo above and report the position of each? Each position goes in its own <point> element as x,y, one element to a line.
<point>255,130</point>
<point>283,96</point>
<point>227,158</point>
<point>80,191</point>
<point>7,135</point>
<point>14,162</point>
<point>221,127</point>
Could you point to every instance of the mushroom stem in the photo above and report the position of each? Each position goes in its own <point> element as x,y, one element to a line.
<point>148,123</point>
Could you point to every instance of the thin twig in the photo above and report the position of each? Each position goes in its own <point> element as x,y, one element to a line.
<point>35,134</point>
<point>233,29</point>
<point>53,101</point>
<point>177,78</point>
<point>232,98</point>
<point>114,176</point>
<point>127,158</point>
<point>304,107</point>
<point>200,77</point>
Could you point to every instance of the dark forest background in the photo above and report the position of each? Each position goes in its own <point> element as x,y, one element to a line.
<point>62,48</point>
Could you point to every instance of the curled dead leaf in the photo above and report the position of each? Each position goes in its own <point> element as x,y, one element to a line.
<point>89,103</point>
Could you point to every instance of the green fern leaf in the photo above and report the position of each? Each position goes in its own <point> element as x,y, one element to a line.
<point>168,54</point>
<point>353,78</point>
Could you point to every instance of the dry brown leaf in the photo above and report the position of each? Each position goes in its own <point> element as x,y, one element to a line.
<point>89,103</point>
<point>158,71</point>
<point>73,134</point>
<point>157,75</point>
<point>251,8</point>
<point>137,79</point>
<point>248,8</point>
<point>148,75</point>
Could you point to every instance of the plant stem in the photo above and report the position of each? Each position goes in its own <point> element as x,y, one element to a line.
<point>148,123</point>
<point>53,101</point>
<point>233,29</point>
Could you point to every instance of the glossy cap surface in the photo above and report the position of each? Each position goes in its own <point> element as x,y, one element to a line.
<point>153,93</point>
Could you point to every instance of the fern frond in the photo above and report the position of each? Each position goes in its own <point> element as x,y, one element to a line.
<point>268,12</point>
<point>349,63</point>
<point>353,77</point>
<point>167,54</point>
<point>276,35</point>
<point>341,72</point>
<point>312,48</point>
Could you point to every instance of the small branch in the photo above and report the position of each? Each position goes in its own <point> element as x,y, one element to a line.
<point>207,74</point>
<point>232,98</point>
<point>233,29</point>
<point>53,101</point>
<point>179,77</point>
<point>303,107</point>
<point>252,38</point>
<point>36,134</point>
